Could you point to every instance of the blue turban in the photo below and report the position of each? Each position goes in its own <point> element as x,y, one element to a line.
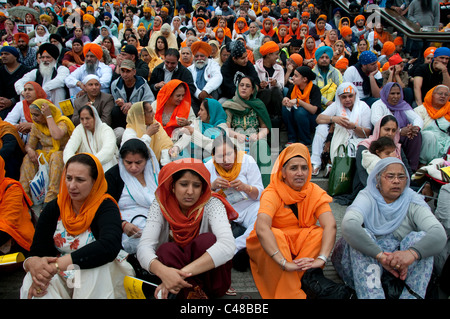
<point>11,50</point>
<point>324,49</point>
<point>442,51</point>
<point>367,57</point>
<point>107,14</point>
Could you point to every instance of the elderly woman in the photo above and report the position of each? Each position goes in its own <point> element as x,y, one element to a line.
<point>48,136</point>
<point>196,263</point>
<point>254,36</point>
<point>409,122</point>
<point>236,175</point>
<point>20,115</point>
<point>81,227</point>
<point>249,123</point>
<point>41,36</point>
<point>16,226</point>
<point>351,117</point>
<point>286,240</point>
<point>94,137</point>
<point>435,113</point>
<point>166,32</point>
<point>173,107</point>
<point>301,106</point>
<point>132,183</point>
<point>388,228</point>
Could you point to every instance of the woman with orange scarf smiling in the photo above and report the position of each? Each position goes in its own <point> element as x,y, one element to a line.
<point>435,112</point>
<point>286,240</point>
<point>81,227</point>
<point>187,241</point>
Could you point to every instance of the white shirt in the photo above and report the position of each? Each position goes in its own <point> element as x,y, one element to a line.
<point>352,75</point>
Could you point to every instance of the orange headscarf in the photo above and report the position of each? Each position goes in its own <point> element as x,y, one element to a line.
<point>310,54</point>
<point>182,110</point>
<point>295,33</point>
<point>303,26</point>
<point>271,32</point>
<point>76,224</point>
<point>432,112</point>
<point>240,31</point>
<point>204,28</point>
<point>8,128</point>
<point>310,200</point>
<point>16,223</point>
<point>299,95</point>
<point>320,32</point>
<point>287,37</point>
<point>185,227</point>
<point>40,94</point>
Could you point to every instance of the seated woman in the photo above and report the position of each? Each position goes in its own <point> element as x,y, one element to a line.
<point>409,122</point>
<point>48,136</point>
<point>351,117</point>
<point>286,240</point>
<point>308,51</point>
<point>20,115</point>
<point>198,138</point>
<point>435,113</point>
<point>148,55</point>
<point>81,227</point>
<point>236,175</point>
<point>141,124</point>
<point>249,123</point>
<point>388,228</point>
<point>132,183</point>
<point>16,226</point>
<point>74,58</point>
<point>94,137</point>
<point>173,106</point>
<point>301,106</point>
<point>77,34</point>
<point>198,258</point>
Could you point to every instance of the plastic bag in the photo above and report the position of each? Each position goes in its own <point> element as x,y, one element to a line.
<point>39,184</point>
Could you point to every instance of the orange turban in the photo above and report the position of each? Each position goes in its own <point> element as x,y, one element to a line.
<point>94,48</point>
<point>398,41</point>
<point>90,18</point>
<point>429,51</point>
<point>201,47</point>
<point>134,2</point>
<point>285,10</point>
<point>359,17</point>
<point>345,31</point>
<point>90,8</point>
<point>385,66</point>
<point>395,59</point>
<point>298,59</point>
<point>305,14</point>
<point>265,9</point>
<point>341,63</point>
<point>21,35</point>
<point>388,48</point>
<point>268,47</point>
<point>165,9</point>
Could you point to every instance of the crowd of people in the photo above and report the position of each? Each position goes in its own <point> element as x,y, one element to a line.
<point>157,121</point>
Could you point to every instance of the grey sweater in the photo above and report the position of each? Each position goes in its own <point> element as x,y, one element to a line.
<point>417,219</point>
<point>424,18</point>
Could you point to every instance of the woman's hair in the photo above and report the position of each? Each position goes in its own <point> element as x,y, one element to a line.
<point>378,175</point>
<point>387,119</point>
<point>381,144</point>
<point>205,105</point>
<point>134,146</point>
<point>164,40</point>
<point>88,108</point>
<point>177,175</point>
<point>222,140</point>
<point>86,160</point>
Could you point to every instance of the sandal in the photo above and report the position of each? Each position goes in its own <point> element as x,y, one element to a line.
<point>231,292</point>
<point>316,170</point>
<point>327,170</point>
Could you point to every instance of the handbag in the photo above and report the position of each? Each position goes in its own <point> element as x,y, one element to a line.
<point>317,286</point>
<point>342,171</point>
<point>39,184</point>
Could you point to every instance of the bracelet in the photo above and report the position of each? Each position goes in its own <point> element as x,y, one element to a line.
<point>251,188</point>
<point>271,256</point>
<point>331,119</point>
<point>57,267</point>
<point>322,257</point>
<point>378,257</point>
<point>415,258</point>
<point>124,224</point>
<point>283,264</point>
<point>49,116</point>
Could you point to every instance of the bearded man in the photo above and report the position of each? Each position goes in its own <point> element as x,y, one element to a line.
<point>50,75</point>
<point>89,28</point>
<point>206,74</point>
<point>27,54</point>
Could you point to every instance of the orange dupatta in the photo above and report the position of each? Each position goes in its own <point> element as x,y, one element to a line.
<point>287,37</point>
<point>432,112</point>
<point>181,110</point>
<point>310,54</point>
<point>16,223</point>
<point>240,31</point>
<point>40,94</point>
<point>76,224</point>
<point>185,227</point>
<point>299,95</point>
<point>8,128</point>
<point>271,32</point>
<point>295,33</point>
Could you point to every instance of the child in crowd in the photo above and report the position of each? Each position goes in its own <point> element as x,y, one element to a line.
<point>379,149</point>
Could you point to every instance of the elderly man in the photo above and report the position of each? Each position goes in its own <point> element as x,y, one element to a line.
<point>129,88</point>
<point>89,28</point>
<point>56,40</point>
<point>50,75</point>
<point>11,70</point>
<point>328,78</point>
<point>27,54</point>
<point>271,76</point>
<point>206,74</point>
<point>129,52</point>
<point>366,77</point>
<point>92,55</point>
<point>103,102</point>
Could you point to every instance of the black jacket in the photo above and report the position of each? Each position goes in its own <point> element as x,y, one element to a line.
<point>182,74</point>
<point>232,72</point>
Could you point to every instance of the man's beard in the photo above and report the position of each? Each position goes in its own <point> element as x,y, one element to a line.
<point>46,69</point>
<point>87,30</point>
<point>59,46</point>
<point>23,47</point>
<point>200,64</point>
<point>108,23</point>
<point>91,68</point>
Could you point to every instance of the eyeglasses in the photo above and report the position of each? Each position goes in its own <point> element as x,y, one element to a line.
<point>442,94</point>
<point>392,177</point>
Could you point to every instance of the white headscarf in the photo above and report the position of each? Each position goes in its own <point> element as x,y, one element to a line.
<point>380,217</point>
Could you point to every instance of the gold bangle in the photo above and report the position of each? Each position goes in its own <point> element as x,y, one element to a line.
<point>57,267</point>
<point>251,188</point>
